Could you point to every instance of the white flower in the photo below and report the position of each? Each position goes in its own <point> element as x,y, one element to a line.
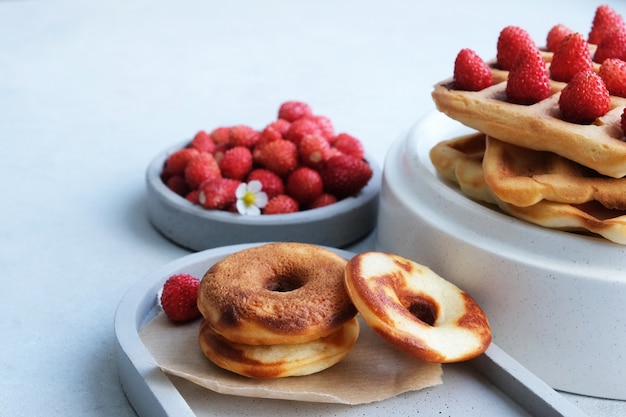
<point>250,198</point>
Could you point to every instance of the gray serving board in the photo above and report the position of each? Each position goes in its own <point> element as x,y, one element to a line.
<point>494,384</point>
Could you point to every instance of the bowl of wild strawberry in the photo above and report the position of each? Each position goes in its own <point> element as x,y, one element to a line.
<point>296,179</point>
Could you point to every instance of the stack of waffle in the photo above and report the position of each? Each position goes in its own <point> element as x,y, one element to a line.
<point>533,164</point>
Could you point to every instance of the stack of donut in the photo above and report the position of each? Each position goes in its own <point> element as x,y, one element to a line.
<point>277,310</point>
<point>287,309</point>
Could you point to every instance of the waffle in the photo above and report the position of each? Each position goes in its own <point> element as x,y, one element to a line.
<point>523,177</point>
<point>459,160</point>
<point>598,146</point>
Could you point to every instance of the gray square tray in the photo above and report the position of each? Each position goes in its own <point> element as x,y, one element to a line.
<point>493,384</point>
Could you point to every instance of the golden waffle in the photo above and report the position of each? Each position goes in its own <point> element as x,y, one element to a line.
<point>524,177</point>
<point>598,146</point>
<point>449,158</point>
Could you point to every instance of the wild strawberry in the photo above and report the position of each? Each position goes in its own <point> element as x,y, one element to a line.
<point>613,73</point>
<point>528,80</point>
<point>325,125</point>
<point>323,200</point>
<point>220,135</point>
<point>313,150</point>
<point>273,131</point>
<point>471,73</point>
<point>281,204</point>
<point>305,185</point>
<point>280,156</point>
<point>202,142</point>
<point>349,145</point>
<point>556,35</point>
<point>612,45</point>
<point>511,41</point>
<point>200,168</point>
<point>294,110</point>
<point>179,298</point>
<point>605,20</point>
<point>178,160</point>
<point>272,183</point>
<point>242,135</point>
<point>571,56</point>
<point>219,151</point>
<point>193,197</point>
<point>177,184</point>
<point>302,127</point>
<point>344,176</point>
<point>584,98</point>
<point>236,163</point>
<point>218,193</point>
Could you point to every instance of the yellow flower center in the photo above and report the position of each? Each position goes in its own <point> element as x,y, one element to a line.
<point>248,198</point>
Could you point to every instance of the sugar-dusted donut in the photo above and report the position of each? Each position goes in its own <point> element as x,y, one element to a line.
<point>415,309</point>
<point>277,361</point>
<point>276,293</point>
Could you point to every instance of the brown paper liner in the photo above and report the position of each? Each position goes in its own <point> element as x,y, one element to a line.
<point>373,371</point>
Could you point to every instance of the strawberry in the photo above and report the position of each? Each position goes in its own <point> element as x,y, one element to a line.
<point>236,163</point>
<point>302,127</point>
<point>272,183</point>
<point>612,45</point>
<point>179,298</point>
<point>511,41</point>
<point>273,131</point>
<point>571,56</point>
<point>242,135</point>
<point>323,200</point>
<point>584,98</point>
<point>281,204</point>
<point>200,168</point>
<point>177,184</point>
<point>528,81</point>
<point>202,142</point>
<point>349,145</point>
<point>344,175</point>
<point>220,135</point>
<point>304,185</point>
<point>613,73</point>
<point>294,110</point>
<point>471,73</point>
<point>176,163</point>
<point>313,150</point>
<point>280,156</point>
<point>605,20</point>
<point>193,197</point>
<point>556,35</point>
<point>218,193</point>
<point>325,125</point>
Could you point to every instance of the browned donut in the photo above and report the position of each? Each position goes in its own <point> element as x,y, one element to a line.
<point>277,361</point>
<point>415,309</point>
<point>277,293</point>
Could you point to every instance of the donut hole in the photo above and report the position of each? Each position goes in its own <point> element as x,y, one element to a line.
<point>423,308</point>
<point>284,283</point>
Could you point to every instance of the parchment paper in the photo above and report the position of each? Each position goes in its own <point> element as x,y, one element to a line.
<point>373,371</point>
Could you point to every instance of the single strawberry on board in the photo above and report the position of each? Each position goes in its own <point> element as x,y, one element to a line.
<point>344,175</point>
<point>179,298</point>
<point>613,73</point>
<point>570,57</point>
<point>529,80</point>
<point>584,98</point>
<point>471,73</point>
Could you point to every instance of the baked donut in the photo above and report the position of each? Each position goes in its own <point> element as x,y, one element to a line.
<point>415,309</point>
<point>277,361</point>
<point>276,293</point>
